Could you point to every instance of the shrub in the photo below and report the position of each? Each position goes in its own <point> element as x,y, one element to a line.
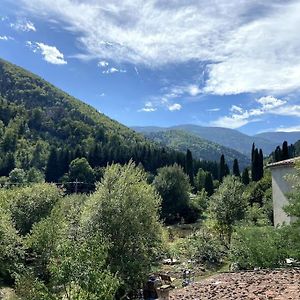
<point>257,247</point>
<point>205,247</point>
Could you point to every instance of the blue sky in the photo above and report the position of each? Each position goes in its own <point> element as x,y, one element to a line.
<point>232,64</point>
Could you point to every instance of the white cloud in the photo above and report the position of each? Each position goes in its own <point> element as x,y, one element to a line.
<point>252,46</point>
<point>213,109</point>
<point>5,38</point>
<point>288,129</point>
<point>23,25</point>
<point>287,110</point>
<point>103,63</point>
<point>175,106</point>
<point>50,53</point>
<point>102,94</point>
<point>113,70</point>
<point>149,107</point>
<point>240,117</point>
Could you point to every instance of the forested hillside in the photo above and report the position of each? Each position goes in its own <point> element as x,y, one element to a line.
<point>226,137</point>
<point>202,149</point>
<point>43,130</point>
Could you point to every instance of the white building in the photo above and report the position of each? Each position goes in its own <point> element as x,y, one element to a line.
<point>280,187</point>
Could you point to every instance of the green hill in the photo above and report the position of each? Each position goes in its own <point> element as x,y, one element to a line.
<point>37,119</point>
<point>226,137</point>
<point>201,148</point>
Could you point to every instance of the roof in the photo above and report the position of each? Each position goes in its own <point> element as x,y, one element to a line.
<point>284,163</point>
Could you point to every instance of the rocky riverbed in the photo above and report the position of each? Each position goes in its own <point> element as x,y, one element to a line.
<point>255,285</point>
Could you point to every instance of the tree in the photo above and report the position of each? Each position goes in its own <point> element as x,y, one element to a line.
<point>224,170</point>
<point>29,205</point>
<point>52,167</point>
<point>125,209</point>
<point>10,250</point>
<point>190,166</point>
<point>257,165</point>
<point>245,177</point>
<point>81,170</point>
<point>277,154</point>
<point>228,205</point>
<point>173,186</point>
<point>236,169</point>
<point>209,184</point>
<point>285,151</point>
<point>17,176</point>
<point>200,179</point>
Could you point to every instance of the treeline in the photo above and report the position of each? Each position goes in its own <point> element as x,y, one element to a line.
<point>286,151</point>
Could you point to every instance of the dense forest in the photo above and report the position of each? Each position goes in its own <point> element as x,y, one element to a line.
<point>44,129</point>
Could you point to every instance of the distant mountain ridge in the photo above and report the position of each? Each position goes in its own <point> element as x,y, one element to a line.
<point>230,138</point>
<point>202,149</point>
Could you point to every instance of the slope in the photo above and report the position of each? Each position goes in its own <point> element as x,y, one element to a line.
<point>224,136</point>
<point>280,137</point>
<point>201,148</point>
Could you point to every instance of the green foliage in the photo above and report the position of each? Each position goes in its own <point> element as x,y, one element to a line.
<point>228,205</point>
<point>125,209</point>
<point>81,170</point>
<point>205,247</point>
<point>253,247</point>
<point>235,168</point>
<point>10,245</point>
<point>257,216</point>
<point>17,176</point>
<point>293,208</point>
<point>202,149</point>
<point>245,177</point>
<point>29,205</point>
<point>80,266</point>
<point>173,186</point>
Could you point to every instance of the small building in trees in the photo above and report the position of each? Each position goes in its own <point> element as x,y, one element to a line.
<point>280,187</point>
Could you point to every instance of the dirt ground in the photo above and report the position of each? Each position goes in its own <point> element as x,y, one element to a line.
<point>256,285</point>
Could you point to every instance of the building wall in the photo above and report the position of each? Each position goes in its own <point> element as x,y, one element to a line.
<point>280,186</point>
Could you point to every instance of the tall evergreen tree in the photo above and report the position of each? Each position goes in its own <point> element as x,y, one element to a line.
<point>260,164</point>
<point>277,154</point>
<point>209,184</point>
<point>285,151</point>
<point>51,174</point>
<point>245,177</point>
<point>254,165</point>
<point>222,168</point>
<point>236,169</point>
<point>190,166</point>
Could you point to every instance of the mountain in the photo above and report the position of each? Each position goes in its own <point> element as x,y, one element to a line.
<point>280,137</point>
<point>43,128</point>
<point>226,137</point>
<point>201,149</point>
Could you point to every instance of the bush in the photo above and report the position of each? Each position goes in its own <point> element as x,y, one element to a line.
<point>253,247</point>
<point>205,247</point>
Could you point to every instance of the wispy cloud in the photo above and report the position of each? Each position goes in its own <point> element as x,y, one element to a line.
<point>240,117</point>
<point>5,38</point>
<point>213,109</point>
<point>149,107</point>
<point>288,129</point>
<point>23,25</point>
<point>50,53</point>
<point>251,46</point>
<point>113,70</point>
<point>103,63</point>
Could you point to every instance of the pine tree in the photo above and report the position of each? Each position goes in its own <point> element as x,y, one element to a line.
<point>190,166</point>
<point>285,151</point>
<point>236,169</point>
<point>245,177</point>
<point>277,154</point>
<point>255,165</point>
<point>51,174</point>
<point>209,184</point>
<point>260,164</point>
<point>222,168</point>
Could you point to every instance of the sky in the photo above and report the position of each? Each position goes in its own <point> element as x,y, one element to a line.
<point>233,64</point>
